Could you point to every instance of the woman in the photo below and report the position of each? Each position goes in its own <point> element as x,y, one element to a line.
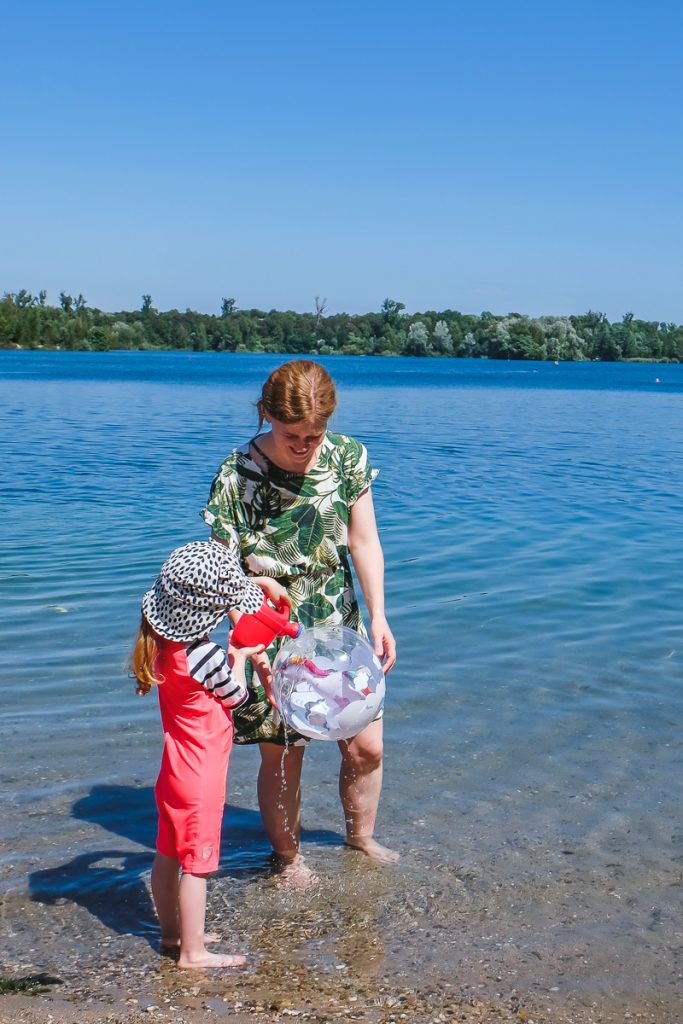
<point>296,501</point>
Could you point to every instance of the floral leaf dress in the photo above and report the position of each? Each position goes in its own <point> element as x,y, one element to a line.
<point>294,528</point>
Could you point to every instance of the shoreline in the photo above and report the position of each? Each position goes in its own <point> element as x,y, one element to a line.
<point>319,961</point>
<point>284,356</point>
<point>126,995</point>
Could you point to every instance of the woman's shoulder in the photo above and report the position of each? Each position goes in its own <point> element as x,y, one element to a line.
<point>234,462</point>
<point>350,464</point>
<point>344,446</point>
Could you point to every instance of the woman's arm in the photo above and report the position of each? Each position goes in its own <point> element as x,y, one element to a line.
<point>368,561</point>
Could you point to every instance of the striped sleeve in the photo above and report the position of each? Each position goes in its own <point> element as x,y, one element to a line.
<point>208,664</point>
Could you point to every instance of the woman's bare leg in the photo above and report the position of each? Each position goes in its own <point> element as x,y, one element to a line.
<point>279,797</point>
<point>360,785</point>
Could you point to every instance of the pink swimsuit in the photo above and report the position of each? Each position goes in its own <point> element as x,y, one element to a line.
<point>190,789</point>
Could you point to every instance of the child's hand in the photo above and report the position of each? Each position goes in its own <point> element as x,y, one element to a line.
<point>273,590</point>
<point>263,671</point>
<point>239,655</point>
<point>238,659</point>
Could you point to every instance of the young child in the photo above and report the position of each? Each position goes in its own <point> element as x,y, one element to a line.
<point>199,584</point>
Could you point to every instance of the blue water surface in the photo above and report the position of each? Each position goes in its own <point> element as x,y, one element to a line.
<point>530,515</point>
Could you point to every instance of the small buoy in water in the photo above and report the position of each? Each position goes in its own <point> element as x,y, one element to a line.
<point>656,380</point>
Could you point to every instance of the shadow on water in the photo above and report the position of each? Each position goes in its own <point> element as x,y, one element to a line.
<point>108,883</point>
<point>111,883</point>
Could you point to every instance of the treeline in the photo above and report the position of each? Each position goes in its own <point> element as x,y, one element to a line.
<point>28,321</point>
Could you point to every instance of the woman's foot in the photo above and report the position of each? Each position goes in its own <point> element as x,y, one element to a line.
<point>294,873</point>
<point>203,960</point>
<point>372,849</point>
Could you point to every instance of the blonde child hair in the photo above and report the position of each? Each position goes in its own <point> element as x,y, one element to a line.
<point>145,650</point>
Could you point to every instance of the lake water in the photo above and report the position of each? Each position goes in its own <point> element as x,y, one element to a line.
<point>531,520</point>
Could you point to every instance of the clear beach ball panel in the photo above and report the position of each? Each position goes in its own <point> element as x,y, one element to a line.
<point>328,683</point>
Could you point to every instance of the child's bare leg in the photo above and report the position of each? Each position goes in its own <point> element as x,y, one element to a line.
<point>360,785</point>
<point>165,879</point>
<point>192,909</point>
<point>279,796</point>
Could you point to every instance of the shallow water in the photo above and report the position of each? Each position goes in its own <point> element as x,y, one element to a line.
<point>531,521</point>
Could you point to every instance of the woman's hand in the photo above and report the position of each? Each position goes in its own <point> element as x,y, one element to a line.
<point>385,645</point>
<point>273,590</point>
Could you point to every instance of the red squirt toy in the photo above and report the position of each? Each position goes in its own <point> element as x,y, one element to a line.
<point>263,626</point>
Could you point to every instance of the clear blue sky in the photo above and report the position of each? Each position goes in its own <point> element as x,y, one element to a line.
<point>512,156</point>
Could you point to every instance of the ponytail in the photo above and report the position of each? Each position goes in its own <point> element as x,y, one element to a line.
<point>143,658</point>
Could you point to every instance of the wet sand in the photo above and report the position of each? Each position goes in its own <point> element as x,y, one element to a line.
<point>371,945</point>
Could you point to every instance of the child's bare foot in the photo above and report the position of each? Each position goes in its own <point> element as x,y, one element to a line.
<point>203,960</point>
<point>170,947</point>
<point>374,850</point>
<point>296,874</point>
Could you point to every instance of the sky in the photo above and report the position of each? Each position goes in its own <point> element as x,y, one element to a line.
<point>504,155</point>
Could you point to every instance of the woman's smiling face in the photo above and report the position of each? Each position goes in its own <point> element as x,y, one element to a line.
<point>294,446</point>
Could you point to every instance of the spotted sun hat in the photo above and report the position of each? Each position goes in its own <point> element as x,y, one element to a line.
<point>198,585</point>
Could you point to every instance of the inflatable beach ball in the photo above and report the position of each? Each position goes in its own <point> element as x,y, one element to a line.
<point>328,683</point>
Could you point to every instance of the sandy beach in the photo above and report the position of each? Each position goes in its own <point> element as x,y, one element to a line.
<point>197,1000</point>
<point>316,960</point>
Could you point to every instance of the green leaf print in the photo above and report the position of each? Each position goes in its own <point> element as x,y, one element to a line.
<point>286,555</point>
<point>314,609</point>
<point>311,527</point>
<point>305,489</point>
<point>293,527</point>
<point>342,510</point>
<point>286,529</point>
<point>350,457</point>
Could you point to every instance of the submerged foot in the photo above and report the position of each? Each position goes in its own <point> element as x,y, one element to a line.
<point>203,960</point>
<point>295,873</point>
<point>372,849</point>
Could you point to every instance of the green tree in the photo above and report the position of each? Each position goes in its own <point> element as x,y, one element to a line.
<point>418,340</point>
<point>23,299</point>
<point>442,342</point>
<point>391,310</point>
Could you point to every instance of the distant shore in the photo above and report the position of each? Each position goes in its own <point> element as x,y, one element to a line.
<point>179,351</point>
<point>29,322</point>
